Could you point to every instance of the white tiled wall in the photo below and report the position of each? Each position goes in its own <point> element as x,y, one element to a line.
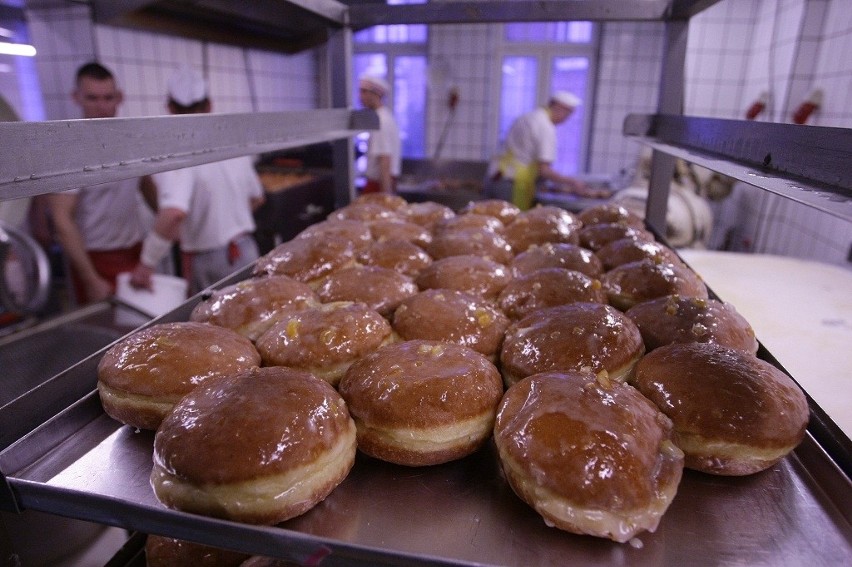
<point>241,80</point>
<point>628,82</point>
<point>792,49</point>
<point>736,50</point>
<point>461,56</point>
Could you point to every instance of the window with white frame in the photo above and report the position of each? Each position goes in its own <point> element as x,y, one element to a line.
<point>398,53</point>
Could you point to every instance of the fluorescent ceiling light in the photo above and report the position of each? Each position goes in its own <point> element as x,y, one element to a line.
<point>16,49</point>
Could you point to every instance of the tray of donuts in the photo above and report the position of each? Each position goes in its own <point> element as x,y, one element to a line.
<point>404,383</point>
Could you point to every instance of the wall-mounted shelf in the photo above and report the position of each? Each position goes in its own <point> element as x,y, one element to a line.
<point>807,164</point>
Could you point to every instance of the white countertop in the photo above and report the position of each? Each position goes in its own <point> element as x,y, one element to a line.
<point>800,310</point>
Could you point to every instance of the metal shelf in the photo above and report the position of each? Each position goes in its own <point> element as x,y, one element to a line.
<point>286,26</point>
<point>807,164</point>
<point>292,26</point>
<point>62,154</point>
<point>366,14</point>
<point>81,464</point>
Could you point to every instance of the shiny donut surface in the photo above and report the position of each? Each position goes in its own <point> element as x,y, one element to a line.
<point>570,338</point>
<point>557,255</point>
<point>308,258</point>
<point>469,273</point>
<point>592,456</point>
<point>676,319</point>
<point>249,307</point>
<point>454,317</point>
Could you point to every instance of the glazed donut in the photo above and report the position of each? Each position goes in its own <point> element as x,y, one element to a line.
<point>572,337</point>
<point>469,220</point>
<point>400,255</point>
<point>381,289</point>
<point>591,456</point>
<point>504,211</point>
<point>625,250</point>
<point>307,259</point>
<point>542,224</point>
<point>259,447</point>
<point>261,561</point>
<point>548,287</point>
<point>324,340</point>
<point>556,255</point>
<point>635,282</point>
<point>596,236</point>
<point>386,200</point>
<point>606,213</point>
<point>454,317</point>
<point>382,230</point>
<point>162,551</point>
<point>421,402</point>
<point>250,306</point>
<point>426,213</point>
<point>472,274</point>
<point>141,377</point>
<point>676,319</point>
<point>355,231</point>
<point>364,211</point>
<point>477,242</point>
<point>733,413</point>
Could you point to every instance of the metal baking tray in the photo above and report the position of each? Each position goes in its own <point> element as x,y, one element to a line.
<point>82,464</point>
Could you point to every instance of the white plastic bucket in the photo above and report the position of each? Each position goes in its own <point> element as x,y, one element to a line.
<point>166,293</point>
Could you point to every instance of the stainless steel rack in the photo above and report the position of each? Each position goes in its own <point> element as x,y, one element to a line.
<point>60,453</point>
<point>808,164</point>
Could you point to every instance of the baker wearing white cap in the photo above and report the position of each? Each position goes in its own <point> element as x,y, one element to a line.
<point>188,92</point>
<point>529,151</point>
<point>208,208</point>
<point>384,148</point>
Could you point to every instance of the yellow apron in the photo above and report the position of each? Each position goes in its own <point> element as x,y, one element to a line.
<point>523,186</point>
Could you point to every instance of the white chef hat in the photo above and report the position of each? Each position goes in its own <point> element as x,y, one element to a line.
<point>566,99</point>
<point>187,87</point>
<point>376,84</point>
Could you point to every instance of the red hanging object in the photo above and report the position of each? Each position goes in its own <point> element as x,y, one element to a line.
<point>453,98</point>
<point>758,106</point>
<point>804,111</point>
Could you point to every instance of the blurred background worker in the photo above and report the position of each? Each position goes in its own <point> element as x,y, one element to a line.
<point>384,149</point>
<point>207,208</point>
<point>99,228</point>
<point>528,153</point>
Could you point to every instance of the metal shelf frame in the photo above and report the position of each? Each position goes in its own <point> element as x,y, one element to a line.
<point>61,154</point>
<point>57,155</point>
<point>807,164</point>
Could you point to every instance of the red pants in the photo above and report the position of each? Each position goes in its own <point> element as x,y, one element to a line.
<point>373,186</point>
<point>108,263</point>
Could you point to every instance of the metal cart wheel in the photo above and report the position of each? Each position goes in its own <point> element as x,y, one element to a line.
<point>26,273</point>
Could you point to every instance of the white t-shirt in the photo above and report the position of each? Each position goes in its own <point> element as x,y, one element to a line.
<point>108,215</point>
<point>216,199</point>
<point>532,137</point>
<point>384,142</point>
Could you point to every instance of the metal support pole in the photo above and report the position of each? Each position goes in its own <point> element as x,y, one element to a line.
<point>670,102</point>
<point>339,63</point>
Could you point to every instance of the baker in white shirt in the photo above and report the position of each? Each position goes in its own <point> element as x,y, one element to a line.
<point>529,151</point>
<point>384,148</point>
<point>208,208</point>
<point>100,228</point>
